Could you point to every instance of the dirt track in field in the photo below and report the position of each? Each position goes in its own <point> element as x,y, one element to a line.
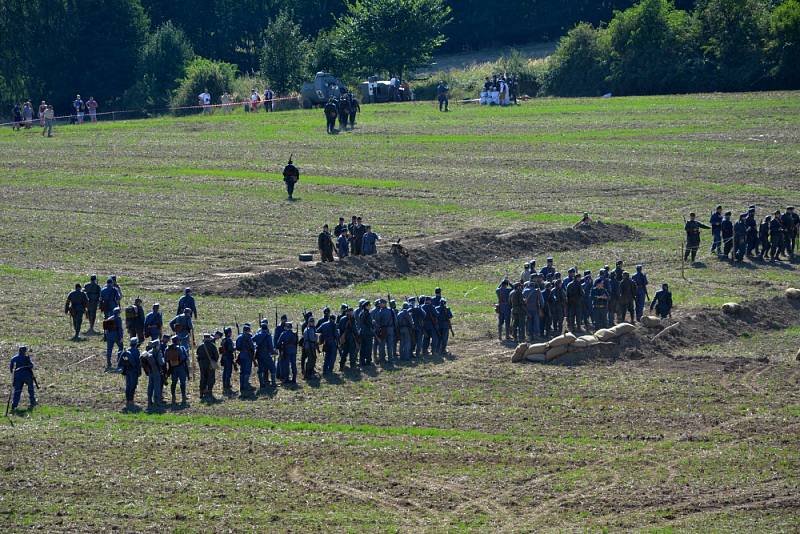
<point>425,256</point>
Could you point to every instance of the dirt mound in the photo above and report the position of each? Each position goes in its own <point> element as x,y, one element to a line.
<point>428,256</point>
<point>692,330</point>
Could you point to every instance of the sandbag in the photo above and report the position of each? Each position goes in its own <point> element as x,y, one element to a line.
<point>622,329</point>
<point>605,334</point>
<point>732,308</point>
<point>579,344</point>
<point>536,348</point>
<point>564,339</point>
<point>555,352</point>
<point>651,321</point>
<point>519,353</point>
<point>536,358</point>
<point>793,293</point>
<point>589,340</point>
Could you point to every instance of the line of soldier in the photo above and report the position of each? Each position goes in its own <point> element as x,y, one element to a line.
<point>358,336</point>
<point>539,302</point>
<point>772,237</point>
<point>344,108</point>
<point>354,239</point>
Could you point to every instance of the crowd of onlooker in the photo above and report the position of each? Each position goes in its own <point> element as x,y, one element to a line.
<point>22,114</point>
<point>500,90</point>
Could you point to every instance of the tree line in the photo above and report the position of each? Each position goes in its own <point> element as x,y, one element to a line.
<point>158,53</point>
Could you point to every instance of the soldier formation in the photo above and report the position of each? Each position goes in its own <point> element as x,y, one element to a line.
<point>354,239</point>
<point>357,337</point>
<point>344,109</point>
<point>537,305</point>
<point>769,238</point>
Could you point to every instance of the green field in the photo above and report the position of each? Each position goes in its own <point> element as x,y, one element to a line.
<point>471,442</point>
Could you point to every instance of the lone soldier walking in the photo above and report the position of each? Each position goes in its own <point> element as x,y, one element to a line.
<point>692,228</point>
<point>21,368</point>
<point>291,175</point>
<point>76,305</point>
<point>92,290</point>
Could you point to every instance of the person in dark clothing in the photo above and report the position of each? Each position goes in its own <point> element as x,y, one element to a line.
<point>790,220</point>
<point>716,230</point>
<point>625,298</point>
<point>291,175</point>
<point>692,228</point>
<point>740,238</point>
<point>752,230</point>
<point>331,111</point>
<point>763,237</point>
<point>662,302</point>
<point>325,244</point>
<point>776,237</point>
<point>727,235</point>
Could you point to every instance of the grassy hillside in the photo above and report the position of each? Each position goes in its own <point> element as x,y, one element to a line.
<point>464,443</point>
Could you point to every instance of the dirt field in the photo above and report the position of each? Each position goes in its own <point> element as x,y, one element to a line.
<point>698,430</point>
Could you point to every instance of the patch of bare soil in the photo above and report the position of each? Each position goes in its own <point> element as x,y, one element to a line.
<point>472,247</point>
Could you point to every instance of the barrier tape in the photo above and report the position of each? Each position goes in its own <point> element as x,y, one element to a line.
<point>152,110</point>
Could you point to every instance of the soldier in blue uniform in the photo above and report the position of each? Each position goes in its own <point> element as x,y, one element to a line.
<point>586,309</point>
<point>662,302</point>
<point>75,307</point>
<point>405,326</point>
<point>245,346</point>
<point>503,308</point>
<point>763,237</point>
<point>431,328</point>
<point>113,333</point>
<point>282,367</point>
<point>187,301</point>
<point>384,323</point>
<point>549,269</point>
<point>752,230</point>
<point>310,347</point>
<point>92,290</point>
<point>556,306</point>
<point>291,175</point>
<point>640,279</point>
<point>727,235</point>
<point>287,343</point>
<point>533,305</point>
<point>716,230</point>
<point>182,326</point>
<point>575,298</point>
<point>329,338</point>
<point>154,323</point>
<point>343,245</point>
<point>129,364</point>
<point>740,238</point>
<point>445,318</point>
<point>348,339</point>
<point>109,298</point>
<point>154,360</point>
<point>21,368</point>
<point>600,304</point>
<point>776,235</point>
<point>264,352</point>
<point>369,242</point>
<point>177,365</point>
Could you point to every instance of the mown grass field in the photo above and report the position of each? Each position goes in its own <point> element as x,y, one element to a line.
<point>708,441</point>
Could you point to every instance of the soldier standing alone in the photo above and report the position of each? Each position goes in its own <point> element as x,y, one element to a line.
<point>692,228</point>
<point>291,175</point>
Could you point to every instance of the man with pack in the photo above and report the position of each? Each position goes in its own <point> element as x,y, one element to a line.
<point>75,307</point>
<point>418,334</point>
<point>113,332</point>
<point>692,229</point>
<point>355,108</point>
<point>227,352</point>
<point>662,302</point>
<point>727,235</point>
<point>612,287</point>
<point>329,339</point>
<point>442,93</point>
<point>310,347</point>
<point>405,327</point>
<point>519,313</point>
<point>287,344</point>
<point>109,298</point>
<point>534,302</point>
<point>154,323</point>
<point>790,221</point>
<point>177,366</point>
<point>776,236</point>
<point>575,298</point>
<point>291,175</point>
<point>366,333</point>
<point>445,321</point>
<point>740,238</point>
<point>208,361</point>
<point>152,365</point>
<point>625,297</point>
<point>282,365</point>
<point>21,368</point>
<point>246,349</point>
<point>92,290</point>
<point>325,244</point>
<point>331,111</point>
<point>716,230</point>
<point>187,301</point>
<point>344,112</point>
<point>431,327</point>
<point>381,318</point>
<point>182,326</point>
<point>503,308</point>
<point>600,300</point>
<point>348,339</point>
<point>129,364</point>
<point>134,319</point>
<point>549,269</point>
<point>640,279</point>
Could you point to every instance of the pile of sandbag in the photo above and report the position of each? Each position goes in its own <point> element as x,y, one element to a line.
<point>651,321</point>
<point>567,343</point>
<point>793,293</point>
<point>732,308</point>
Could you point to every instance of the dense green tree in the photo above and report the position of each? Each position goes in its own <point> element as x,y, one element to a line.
<point>202,74</point>
<point>785,44</point>
<point>580,64</point>
<point>285,54</point>
<point>391,35</point>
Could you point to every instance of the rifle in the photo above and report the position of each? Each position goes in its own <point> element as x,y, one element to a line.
<point>683,250</point>
<point>194,347</point>
<point>10,390</point>
<point>238,332</point>
<point>276,316</point>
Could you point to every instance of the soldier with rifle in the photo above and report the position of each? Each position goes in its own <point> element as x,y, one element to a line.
<point>152,365</point>
<point>130,365</point>
<point>366,332</point>
<point>245,346</point>
<point>21,368</point>
<point>405,324</point>
<point>154,323</point>
<point>310,349</point>
<point>331,111</point>
<point>291,175</point>
<point>287,344</point>
<point>348,339</point>
<point>207,359</point>
<point>329,340</point>
<point>431,328</point>
<point>92,290</point>
<point>228,360</point>
<point>76,305</point>
<point>445,325</point>
<point>112,329</point>
<point>177,357</point>
<point>264,352</point>
<point>282,370</point>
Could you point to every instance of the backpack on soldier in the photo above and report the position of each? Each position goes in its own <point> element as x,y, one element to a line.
<point>109,325</point>
<point>131,313</point>
<point>173,356</point>
<point>146,362</point>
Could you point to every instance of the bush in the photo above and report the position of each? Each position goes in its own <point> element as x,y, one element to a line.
<point>784,47</point>
<point>202,74</point>
<point>285,54</point>
<point>580,64</point>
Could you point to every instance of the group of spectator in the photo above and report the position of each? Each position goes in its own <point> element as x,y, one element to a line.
<point>499,90</point>
<point>22,114</point>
